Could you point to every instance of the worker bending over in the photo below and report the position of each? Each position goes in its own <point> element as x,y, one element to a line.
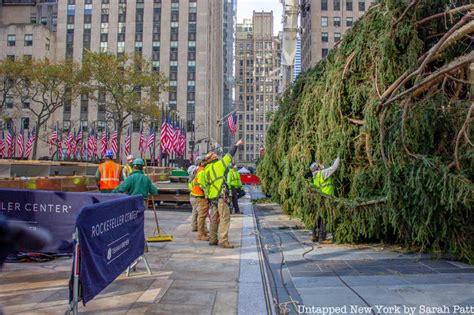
<point>213,182</point>
<point>323,181</point>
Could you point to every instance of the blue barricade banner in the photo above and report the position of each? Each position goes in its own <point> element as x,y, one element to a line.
<point>111,238</point>
<point>52,210</point>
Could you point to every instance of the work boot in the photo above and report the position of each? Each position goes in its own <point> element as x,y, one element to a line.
<point>213,243</point>
<point>227,245</point>
<point>194,229</point>
<point>202,237</point>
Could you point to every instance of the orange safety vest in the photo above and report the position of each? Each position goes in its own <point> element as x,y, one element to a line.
<point>196,191</point>
<point>109,175</point>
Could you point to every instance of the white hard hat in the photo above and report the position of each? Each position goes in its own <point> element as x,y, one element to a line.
<point>130,157</point>
<point>192,169</point>
<point>314,166</point>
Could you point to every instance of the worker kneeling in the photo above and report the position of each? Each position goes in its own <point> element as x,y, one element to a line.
<point>213,182</point>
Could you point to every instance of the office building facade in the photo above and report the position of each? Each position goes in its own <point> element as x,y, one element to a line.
<point>182,38</point>
<point>257,60</point>
<point>179,38</point>
<point>323,24</point>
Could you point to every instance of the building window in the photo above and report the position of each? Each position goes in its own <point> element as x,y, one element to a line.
<point>337,21</point>
<point>324,52</point>
<point>28,40</point>
<point>87,9</point>
<point>121,27</point>
<point>324,21</point>
<point>11,40</point>
<point>9,101</point>
<point>349,21</point>
<point>361,6</point>
<point>324,5</point>
<point>103,47</point>
<point>25,123</point>
<point>104,27</point>
<point>337,5</point>
<point>324,37</point>
<point>71,8</point>
<point>349,5</point>
<point>337,37</point>
<point>66,124</point>
<point>120,47</point>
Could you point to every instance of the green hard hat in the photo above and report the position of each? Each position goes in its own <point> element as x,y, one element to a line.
<point>138,161</point>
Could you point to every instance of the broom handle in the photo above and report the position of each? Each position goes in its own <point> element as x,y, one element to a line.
<point>154,212</point>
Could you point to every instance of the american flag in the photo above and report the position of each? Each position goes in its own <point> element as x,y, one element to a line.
<point>91,150</point>
<point>113,142</point>
<point>128,143</point>
<point>182,142</point>
<point>165,136</point>
<point>151,138</point>
<point>175,140</point>
<point>60,147</point>
<point>103,143</point>
<point>79,143</point>
<point>52,140</point>
<point>29,143</point>
<point>232,121</point>
<point>9,142</point>
<point>19,141</point>
<point>73,144</point>
<point>2,145</point>
<point>141,142</point>
<point>69,143</point>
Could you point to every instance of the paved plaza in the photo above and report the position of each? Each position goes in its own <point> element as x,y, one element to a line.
<point>191,277</point>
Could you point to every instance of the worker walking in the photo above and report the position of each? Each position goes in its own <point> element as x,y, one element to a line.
<point>128,168</point>
<point>213,182</point>
<point>192,199</point>
<point>323,181</point>
<point>200,202</point>
<point>235,186</point>
<point>137,183</point>
<point>108,175</point>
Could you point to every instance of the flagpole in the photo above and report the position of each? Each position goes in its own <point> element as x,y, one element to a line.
<point>220,120</point>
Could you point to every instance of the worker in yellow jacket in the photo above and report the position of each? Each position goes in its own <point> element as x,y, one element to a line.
<point>323,181</point>
<point>213,182</point>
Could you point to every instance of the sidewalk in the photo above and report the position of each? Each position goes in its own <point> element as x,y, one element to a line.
<point>189,277</point>
<point>359,279</point>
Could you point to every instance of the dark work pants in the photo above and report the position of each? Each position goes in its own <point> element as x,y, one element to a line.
<point>319,229</point>
<point>235,200</point>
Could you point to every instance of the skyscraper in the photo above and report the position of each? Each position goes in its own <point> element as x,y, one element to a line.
<point>177,35</point>
<point>297,68</point>
<point>256,86</point>
<point>230,8</point>
<point>323,23</point>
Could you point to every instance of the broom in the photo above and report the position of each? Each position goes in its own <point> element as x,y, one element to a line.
<point>158,237</point>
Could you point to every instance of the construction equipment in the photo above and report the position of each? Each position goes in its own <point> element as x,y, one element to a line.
<point>158,237</point>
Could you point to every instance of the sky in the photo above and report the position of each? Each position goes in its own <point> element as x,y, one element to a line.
<point>246,7</point>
